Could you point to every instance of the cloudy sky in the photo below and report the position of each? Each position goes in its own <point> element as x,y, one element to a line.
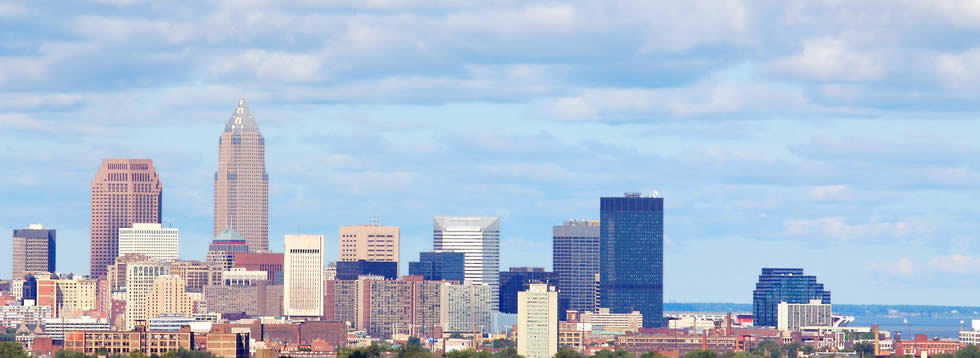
<point>837,136</point>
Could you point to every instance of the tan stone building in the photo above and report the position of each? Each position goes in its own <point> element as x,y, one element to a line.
<point>197,274</point>
<point>124,191</point>
<point>369,243</point>
<point>68,298</point>
<point>537,321</point>
<point>241,184</point>
<point>169,296</point>
<point>140,277</point>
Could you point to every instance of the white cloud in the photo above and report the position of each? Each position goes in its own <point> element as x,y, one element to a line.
<point>831,59</point>
<point>839,192</point>
<point>270,65</point>
<point>959,70</point>
<point>837,228</point>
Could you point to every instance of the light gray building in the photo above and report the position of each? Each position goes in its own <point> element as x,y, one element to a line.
<point>478,237</point>
<point>575,258</point>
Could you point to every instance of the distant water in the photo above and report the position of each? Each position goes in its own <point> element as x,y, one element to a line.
<point>930,326</point>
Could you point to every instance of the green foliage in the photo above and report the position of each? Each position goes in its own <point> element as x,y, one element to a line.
<point>371,351</point>
<point>509,352</point>
<point>9,335</point>
<point>469,353</point>
<point>137,354</point>
<point>568,353</point>
<point>865,349</point>
<point>790,350</point>
<point>768,349</point>
<point>942,355</point>
<point>413,349</point>
<point>970,351</point>
<point>68,354</point>
<point>701,354</point>
<point>501,343</point>
<point>12,350</point>
<point>619,353</point>
<point>456,335</point>
<point>651,355</point>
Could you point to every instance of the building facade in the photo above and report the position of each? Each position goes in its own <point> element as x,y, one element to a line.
<point>224,247</point>
<point>369,243</point>
<point>270,262</point>
<point>168,296</point>
<point>520,279</point>
<point>139,285</point>
<point>196,274</point>
<point>149,239</point>
<point>256,300</point>
<point>793,316</point>
<point>68,298</point>
<point>303,286</point>
<point>575,259</point>
<point>478,238</point>
<point>466,308</point>
<point>241,184</point>
<point>56,327</point>
<point>124,191</point>
<point>33,251</point>
<point>603,320</point>
<point>350,270</point>
<point>788,285</point>
<point>437,266</point>
<point>631,256</point>
<point>125,342</point>
<point>537,322</point>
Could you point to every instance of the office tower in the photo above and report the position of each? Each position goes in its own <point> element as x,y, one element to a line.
<point>382,308</point>
<point>793,316</point>
<point>34,250</point>
<point>255,300</point>
<point>303,286</point>
<point>196,274</point>
<point>241,185</point>
<point>466,307</point>
<point>520,279</point>
<point>478,237</point>
<point>350,270</point>
<point>68,297</point>
<point>149,239</point>
<point>537,322</point>
<point>436,266</point>
<point>631,256</point>
<point>778,285</point>
<point>369,243</point>
<point>224,247</point>
<point>139,284</point>
<point>124,191</point>
<point>168,296</point>
<point>116,273</point>
<point>575,258</point>
<point>270,262</point>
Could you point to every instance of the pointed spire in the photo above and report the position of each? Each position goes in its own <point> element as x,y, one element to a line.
<point>241,120</point>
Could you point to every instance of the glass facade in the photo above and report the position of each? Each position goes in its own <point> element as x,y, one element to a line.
<point>788,285</point>
<point>520,279</point>
<point>631,256</point>
<point>437,266</point>
<point>349,270</point>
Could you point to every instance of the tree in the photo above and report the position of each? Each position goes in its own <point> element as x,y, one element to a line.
<point>791,349</point>
<point>468,353</point>
<point>501,343</point>
<point>12,350</point>
<point>509,352</point>
<point>568,353</point>
<point>864,349</point>
<point>69,354</point>
<point>456,335</point>
<point>701,354</point>
<point>137,354</point>
<point>970,351</point>
<point>942,355</point>
<point>619,353</point>
<point>768,349</point>
<point>652,355</point>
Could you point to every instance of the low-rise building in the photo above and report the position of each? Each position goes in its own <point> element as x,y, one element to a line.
<point>922,344</point>
<point>125,342</point>
<point>603,320</point>
<point>13,316</point>
<point>56,327</point>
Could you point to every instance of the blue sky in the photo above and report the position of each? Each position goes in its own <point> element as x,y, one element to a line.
<point>837,136</point>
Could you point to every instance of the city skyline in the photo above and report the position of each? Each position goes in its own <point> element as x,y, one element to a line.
<point>814,139</point>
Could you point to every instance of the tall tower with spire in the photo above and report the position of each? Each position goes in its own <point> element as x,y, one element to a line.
<point>241,184</point>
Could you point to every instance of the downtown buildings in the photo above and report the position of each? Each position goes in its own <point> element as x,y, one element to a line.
<point>777,285</point>
<point>478,237</point>
<point>150,240</point>
<point>33,251</point>
<point>241,184</point>
<point>631,256</point>
<point>124,192</point>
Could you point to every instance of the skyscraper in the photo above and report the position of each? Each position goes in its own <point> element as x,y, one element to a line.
<point>150,240</point>
<point>369,243</point>
<point>518,279</point>
<point>438,266</point>
<point>478,237</point>
<point>631,256</point>
<point>303,291</point>
<point>224,247</point>
<point>537,321</point>
<point>34,250</point>
<point>139,284</point>
<point>788,285</point>
<point>575,258</point>
<point>241,184</point>
<point>124,191</point>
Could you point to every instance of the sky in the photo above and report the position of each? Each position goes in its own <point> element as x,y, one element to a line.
<point>836,136</point>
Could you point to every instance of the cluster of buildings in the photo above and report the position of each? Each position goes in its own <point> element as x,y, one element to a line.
<point>245,299</point>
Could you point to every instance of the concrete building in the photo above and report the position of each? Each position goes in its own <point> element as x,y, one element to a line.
<point>56,327</point>
<point>369,243</point>
<point>303,286</point>
<point>270,262</point>
<point>575,259</point>
<point>125,342</point>
<point>631,256</point>
<point>197,274</point>
<point>793,316</point>
<point>537,322</point>
<point>33,251</point>
<point>255,300</point>
<point>241,184</point>
<point>124,191</point>
<point>519,279</point>
<point>241,277</point>
<point>168,296</point>
<point>971,336</point>
<point>139,285</point>
<point>382,308</point>
<point>438,266</point>
<point>149,239</point>
<point>478,237</point>
<point>224,247</point>
<point>466,307</point>
<point>68,298</point>
<point>638,344</point>
<point>351,270</point>
<point>116,273</point>
<point>13,316</point>
<point>603,320</point>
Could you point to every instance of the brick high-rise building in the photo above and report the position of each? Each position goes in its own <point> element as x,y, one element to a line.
<point>34,250</point>
<point>241,184</point>
<point>124,191</point>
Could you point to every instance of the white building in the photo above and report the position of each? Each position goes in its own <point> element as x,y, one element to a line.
<point>239,276</point>
<point>463,307</point>
<point>619,322</point>
<point>793,316</point>
<point>12,316</point>
<point>972,336</point>
<point>150,240</point>
<point>537,321</point>
<point>478,237</point>
<point>56,327</point>
<point>303,276</point>
<point>139,285</point>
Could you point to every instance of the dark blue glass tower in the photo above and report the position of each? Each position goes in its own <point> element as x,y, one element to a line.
<point>631,256</point>
<point>788,285</point>
<point>438,266</point>
<point>350,270</point>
